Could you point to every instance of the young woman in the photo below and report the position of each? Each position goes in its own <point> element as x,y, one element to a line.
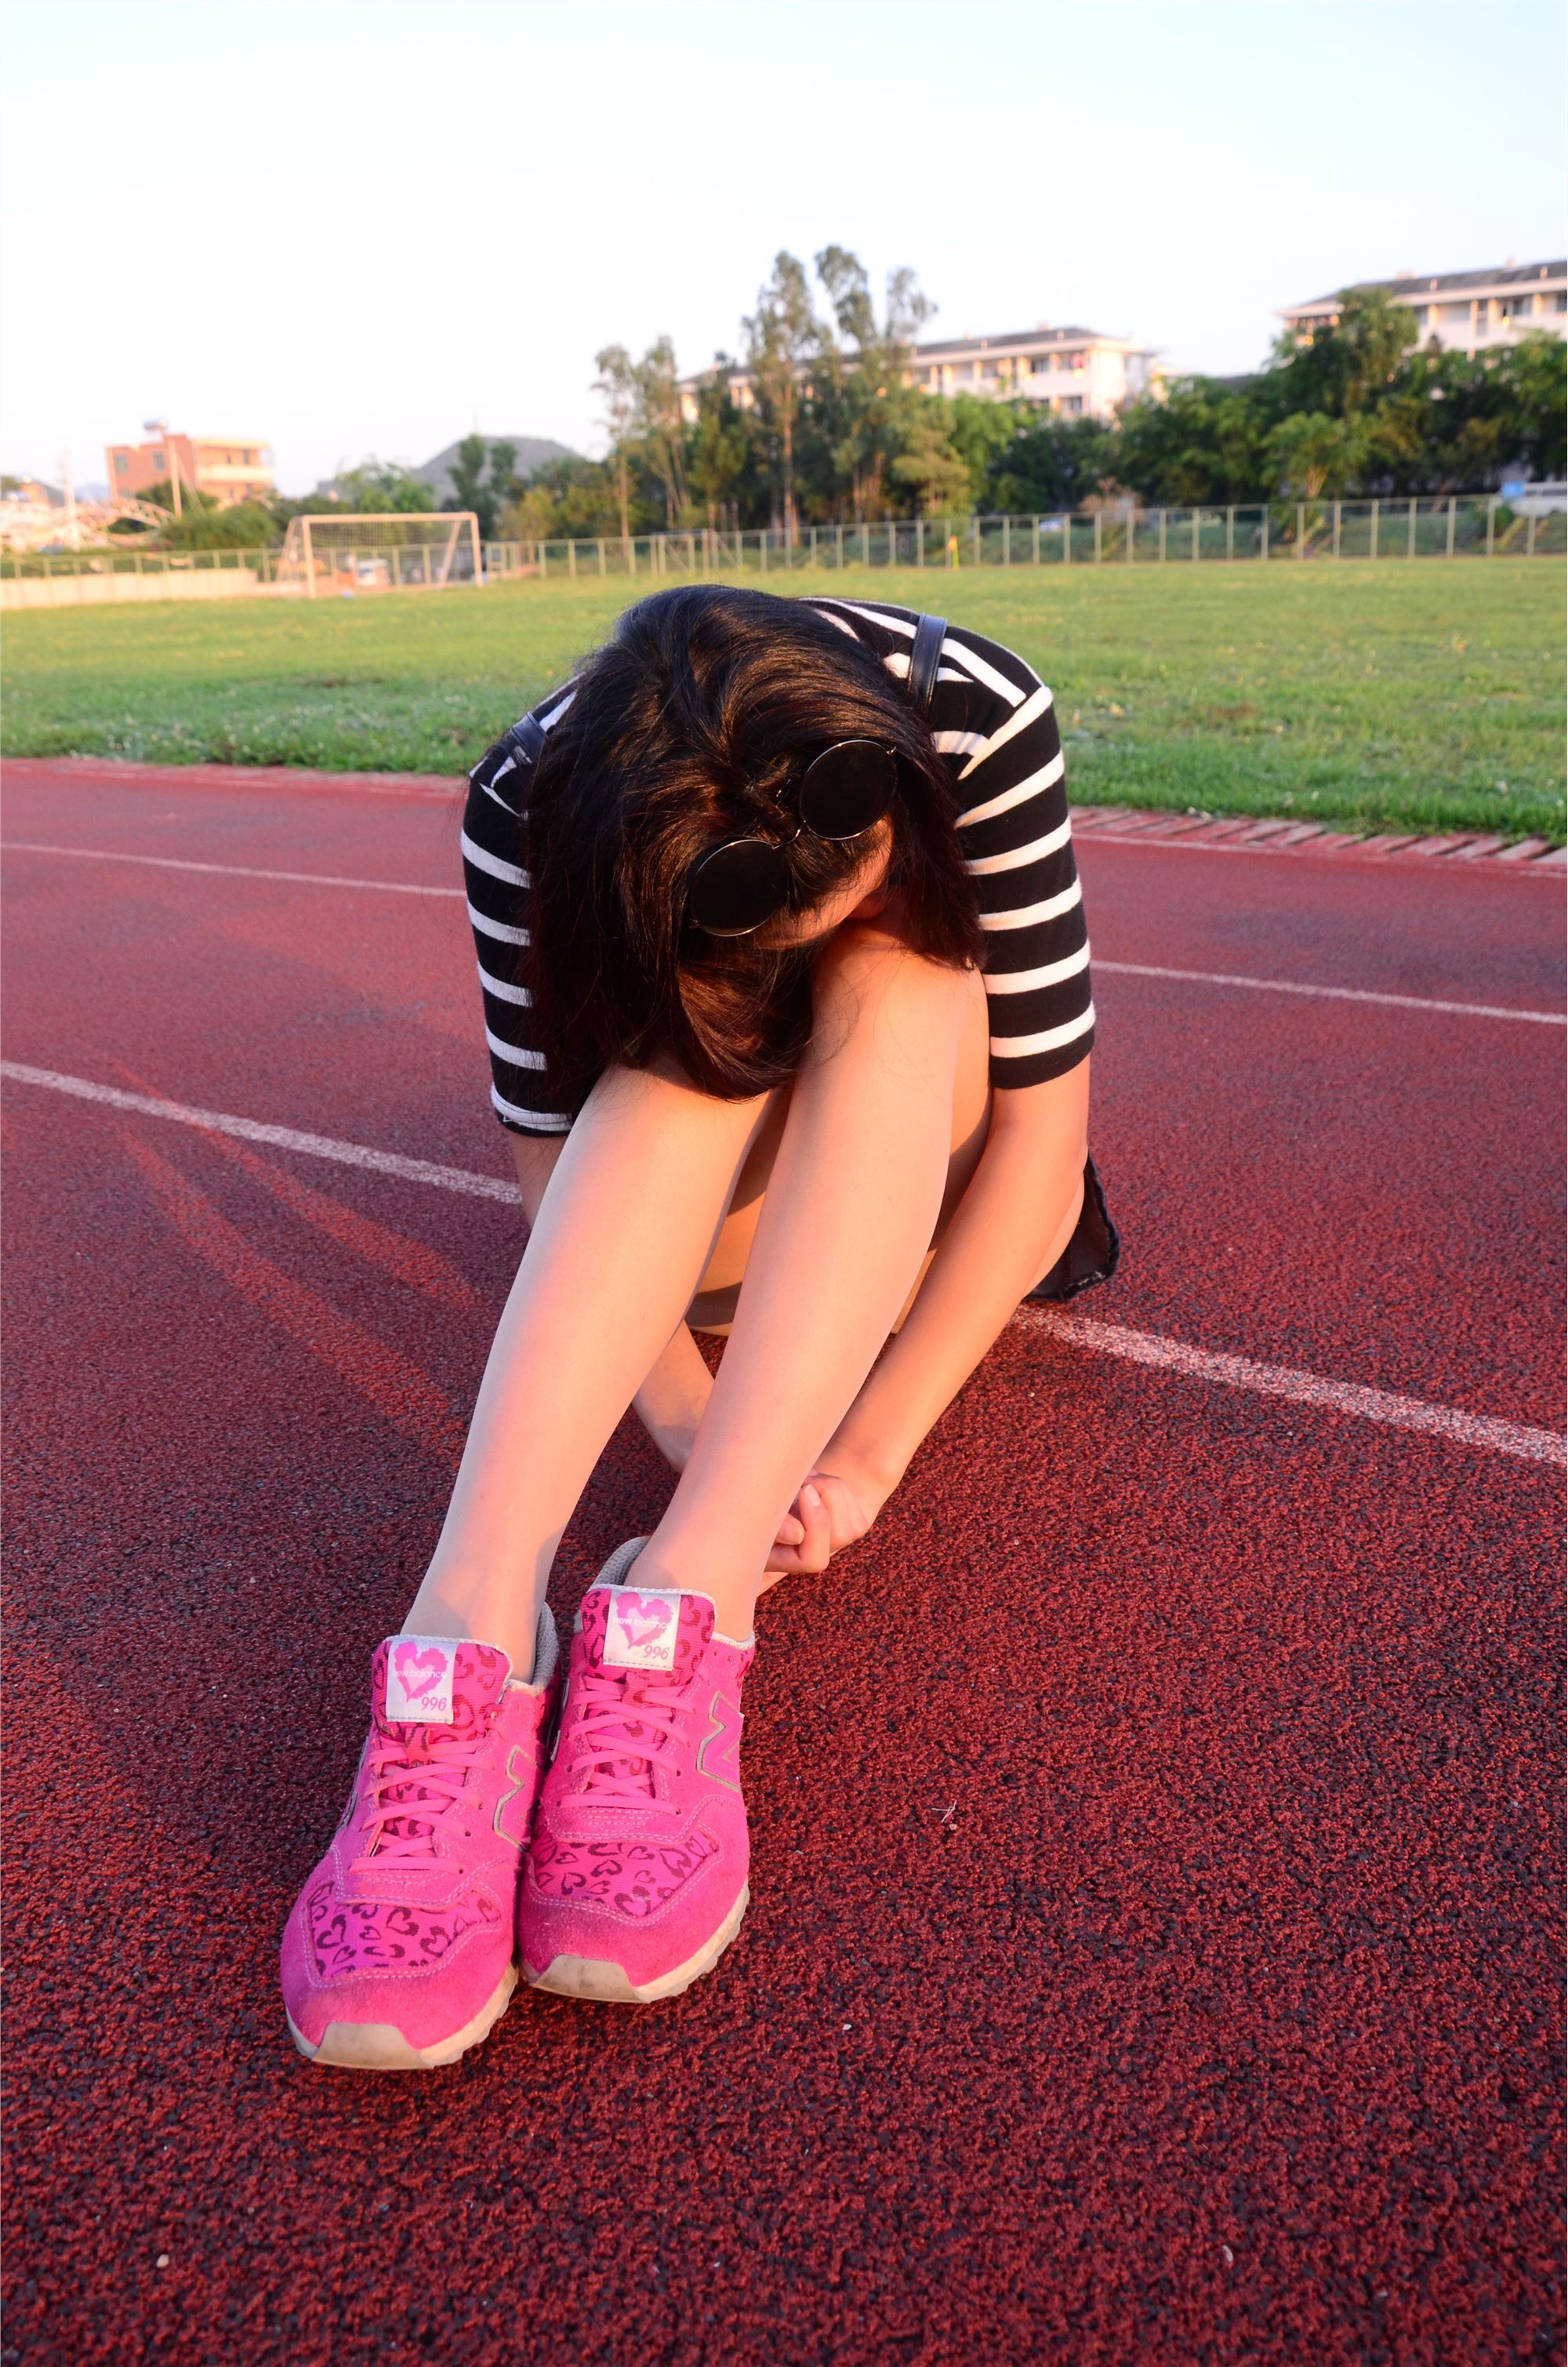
<point>786,984</point>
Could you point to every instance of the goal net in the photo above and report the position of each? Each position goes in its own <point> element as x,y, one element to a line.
<point>395,551</point>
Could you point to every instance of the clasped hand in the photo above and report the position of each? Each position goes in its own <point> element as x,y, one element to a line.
<point>831,1509</point>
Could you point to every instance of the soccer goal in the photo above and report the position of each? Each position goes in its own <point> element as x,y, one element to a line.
<point>393,550</point>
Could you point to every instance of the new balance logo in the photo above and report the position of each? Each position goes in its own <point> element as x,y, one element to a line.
<point>719,1753</point>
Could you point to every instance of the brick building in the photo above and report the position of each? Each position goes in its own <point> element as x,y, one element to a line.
<point>228,468</point>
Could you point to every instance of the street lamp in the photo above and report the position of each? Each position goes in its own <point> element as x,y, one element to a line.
<point>161,427</point>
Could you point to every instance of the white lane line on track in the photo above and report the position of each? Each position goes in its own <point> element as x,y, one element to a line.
<point>1121,969</point>
<point>227,870</point>
<point>281,1137</point>
<point>1077,1331</point>
<point>1333,994</point>
<point>1306,1389</point>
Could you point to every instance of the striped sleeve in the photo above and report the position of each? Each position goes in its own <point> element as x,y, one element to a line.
<point>499,897</point>
<point>994,722</point>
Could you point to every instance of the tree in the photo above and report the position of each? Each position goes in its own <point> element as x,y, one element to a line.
<point>616,382</point>
<point>925,465</point>
<point>1049,463</point>
<point>373,485</point>
<point>1202,439</point>
<point>782,336</point>
<point>1312,454</point>
<point>875,434</point>
<point>659,420</point>
<point>725,468</point>
<point>473,490</point>
<point>1348,366</point>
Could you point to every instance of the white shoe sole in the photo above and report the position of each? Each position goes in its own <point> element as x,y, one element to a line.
<point>381,2046</point>
<point>604,1983</point>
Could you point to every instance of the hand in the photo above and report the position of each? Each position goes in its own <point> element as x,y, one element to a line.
<point>830,1510</point>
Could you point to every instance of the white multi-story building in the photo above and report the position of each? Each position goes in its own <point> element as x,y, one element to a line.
<point>1077,373</point>
<point>1466,312</point>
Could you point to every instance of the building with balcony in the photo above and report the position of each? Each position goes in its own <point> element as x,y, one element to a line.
<point>1465,311</point>
<point>229,469</point>
<point>1075,373</point>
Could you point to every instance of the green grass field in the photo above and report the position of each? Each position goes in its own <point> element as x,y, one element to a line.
<point>1379,694</point>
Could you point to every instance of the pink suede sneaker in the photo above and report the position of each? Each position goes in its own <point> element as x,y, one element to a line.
<point>636,1877</point>
<point>399,1954</point>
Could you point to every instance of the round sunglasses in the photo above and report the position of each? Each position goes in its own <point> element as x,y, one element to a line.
<point>741,885</point>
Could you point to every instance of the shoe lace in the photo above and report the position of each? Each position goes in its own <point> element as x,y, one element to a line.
<point>619,1729</point>
<point>430,1779</point>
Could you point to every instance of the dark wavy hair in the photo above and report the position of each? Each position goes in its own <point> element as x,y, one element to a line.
<point>691,725</point>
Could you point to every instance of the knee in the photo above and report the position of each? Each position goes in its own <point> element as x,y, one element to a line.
<point>870,986</point>
<point>861,964</point>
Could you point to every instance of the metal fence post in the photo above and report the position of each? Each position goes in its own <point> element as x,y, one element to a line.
<point>1035,537</point>
<point>865,544</point>
<point>920,542</point>
<point>1410,542</point>
<point>1337,509</point>
<point>1099,535</point>
<point>1263,548</point>
<point>1132,531</point>
<point>1163,516</point>
<point>1449,552</point>
<point>1197,530</point>
<point>1491,521</point>
<point>1007,542</point>
<point>974,536</point>
<point>1374,550</point>
<point>1230,531</point>
<point>1300,529</point>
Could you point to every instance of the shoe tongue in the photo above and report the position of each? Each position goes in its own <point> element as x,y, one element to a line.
<point>644,1627</point>
<point>438,1682</point>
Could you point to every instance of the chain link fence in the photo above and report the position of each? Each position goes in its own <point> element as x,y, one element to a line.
<point>1450,525</point>
<point>1453,526</point>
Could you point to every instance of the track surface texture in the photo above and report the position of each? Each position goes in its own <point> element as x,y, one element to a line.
<point>1153,1948</point>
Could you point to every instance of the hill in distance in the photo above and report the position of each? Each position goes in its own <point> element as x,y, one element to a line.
<point>533,451</point>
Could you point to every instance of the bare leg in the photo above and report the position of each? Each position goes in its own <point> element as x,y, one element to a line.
<point>619,1246</point>
<point>634,1218</point>
<point>854,1195</point>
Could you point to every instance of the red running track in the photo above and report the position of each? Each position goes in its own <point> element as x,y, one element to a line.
<point>1153,1948</point>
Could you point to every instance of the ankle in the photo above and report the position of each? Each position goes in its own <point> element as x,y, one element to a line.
<point>733,1605</point>
<point>449,1605</point>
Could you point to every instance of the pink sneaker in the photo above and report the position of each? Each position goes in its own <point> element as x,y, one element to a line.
<point>636,1877</point>
<point>399,1954</point>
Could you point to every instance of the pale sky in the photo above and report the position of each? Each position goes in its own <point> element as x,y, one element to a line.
<point>346,227</point>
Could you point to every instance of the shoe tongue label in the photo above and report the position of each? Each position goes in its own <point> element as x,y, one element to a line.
<point>419,1670</point>
<point>640,1628</point>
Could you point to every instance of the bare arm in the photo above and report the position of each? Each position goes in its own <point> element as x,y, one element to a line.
<point>1014,1222</point>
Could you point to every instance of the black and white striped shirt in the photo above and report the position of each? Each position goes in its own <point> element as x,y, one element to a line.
<point>993,721</point>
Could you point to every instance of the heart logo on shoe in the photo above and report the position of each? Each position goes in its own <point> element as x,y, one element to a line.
<point>640,1629</point>
<point>419,1670</point>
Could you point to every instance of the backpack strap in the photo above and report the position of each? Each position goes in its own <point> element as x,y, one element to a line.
<point>925,657</point>
<point>526,739</point>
